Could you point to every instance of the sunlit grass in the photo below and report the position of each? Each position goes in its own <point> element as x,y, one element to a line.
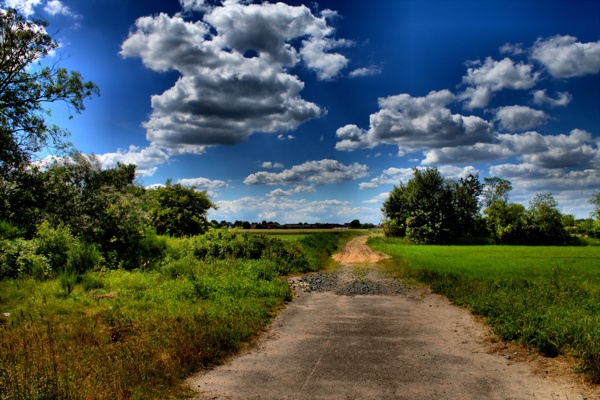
<point>547,298</point>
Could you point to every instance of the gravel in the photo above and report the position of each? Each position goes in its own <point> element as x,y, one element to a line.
<point>332,282</point>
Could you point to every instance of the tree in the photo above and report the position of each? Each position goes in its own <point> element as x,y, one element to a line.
<point>180,211</point>
<point>544,221</point>
<point>26,88</point>
<point>505,222</point>
<point>466,204</point>
<point>355,224</point>
<point>494,189</point>
<point>595,200</point>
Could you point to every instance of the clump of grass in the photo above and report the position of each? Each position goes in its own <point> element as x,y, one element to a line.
<point>552,308</point>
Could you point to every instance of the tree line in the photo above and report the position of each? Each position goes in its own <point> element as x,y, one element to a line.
<point>432,209</point>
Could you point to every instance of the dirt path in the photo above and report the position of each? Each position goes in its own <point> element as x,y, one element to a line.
<point>406,344</point>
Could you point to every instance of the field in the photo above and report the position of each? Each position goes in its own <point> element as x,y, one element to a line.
<point>547,298</point>
<point>117,334</point>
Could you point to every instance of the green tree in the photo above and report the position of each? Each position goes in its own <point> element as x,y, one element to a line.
<point>466,205</point>
<point>494,189</point>
<point>27,87</point>
<point>423,209</point>
<point>180,211</point>
<point>505,222</point>
<point>355,224</point>
<point>544,221</point>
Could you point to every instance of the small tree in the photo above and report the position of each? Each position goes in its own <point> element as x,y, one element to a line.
<point>180,211</point>
<point>544,221</point>
<point>494,189</point>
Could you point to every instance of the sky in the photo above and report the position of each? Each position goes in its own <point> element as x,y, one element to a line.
<point>311,111</point>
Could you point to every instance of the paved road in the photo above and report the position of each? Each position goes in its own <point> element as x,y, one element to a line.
<point>406,346</point>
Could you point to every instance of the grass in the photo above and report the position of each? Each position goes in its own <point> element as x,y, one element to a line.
<point>547,298</point>
<point>119,334</point>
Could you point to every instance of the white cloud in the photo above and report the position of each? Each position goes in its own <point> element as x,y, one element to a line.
<point>315,173</point>
<point>145,159</point>
<point>365,71</point>
<point>380,198</point>
<point>269,165</point>
<point>415,123</point>
<point>55,7</point>
<point>234,67</point>
<point>492,76</point>
<point>520,118</point>
<point>286,193</point>
<point>565,57</point>
<point>540,98</point>
<point>395,176</point>
<point>26,7</point>
<point>578,149</point>
<point>203,183</point>
<point>513,49</point>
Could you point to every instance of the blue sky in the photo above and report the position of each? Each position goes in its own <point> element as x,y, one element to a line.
<point>312,110</point>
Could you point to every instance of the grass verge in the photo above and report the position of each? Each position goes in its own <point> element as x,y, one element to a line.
<point>547,298</point>
<point>119,334</point>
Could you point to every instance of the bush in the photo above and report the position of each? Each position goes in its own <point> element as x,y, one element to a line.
<point>10,231</point>
<point>54,244</point>
<point>82,257</point>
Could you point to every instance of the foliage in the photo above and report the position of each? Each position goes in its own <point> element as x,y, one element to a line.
<point>544,297</point>
<point>429,209</point>
<point>117,334</point>
<point>495,189</point>
<point>180,211</point>
<point>26,86</point>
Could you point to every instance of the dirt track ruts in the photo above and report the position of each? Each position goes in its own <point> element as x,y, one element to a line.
<point>413,345</point>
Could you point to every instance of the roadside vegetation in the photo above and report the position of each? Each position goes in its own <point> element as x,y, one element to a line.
<point>547,298</point>
<point>92,331</point>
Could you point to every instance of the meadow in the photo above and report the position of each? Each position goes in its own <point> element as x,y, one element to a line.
<point>547,298</point>
<point>118,334</point>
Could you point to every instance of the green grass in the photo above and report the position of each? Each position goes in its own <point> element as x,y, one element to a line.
<point>119,334</point>
<point>547,298</point>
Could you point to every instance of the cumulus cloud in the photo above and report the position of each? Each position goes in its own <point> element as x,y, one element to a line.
<point>145,159</point>
<point>534,178</point>
<point>395,176</point>
<point>26,7</point>
<point>483,79</point>
<point>55,7</point>
<point>203,183</point>
<point>315,173</point>
<point>414,123</point>
<point>578,149</point>
<point>565,57</point>
<point>520,118</point>
<point>540,98</point>
<point>234,67</point>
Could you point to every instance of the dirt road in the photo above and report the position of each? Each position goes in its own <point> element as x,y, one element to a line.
<point>403,344</point>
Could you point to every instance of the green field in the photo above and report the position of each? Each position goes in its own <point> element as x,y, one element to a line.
<point>547,298</point>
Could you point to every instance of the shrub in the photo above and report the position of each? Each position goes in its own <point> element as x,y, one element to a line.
<point>10,231</point>
<point>82,257</point>
<point>54,244</point>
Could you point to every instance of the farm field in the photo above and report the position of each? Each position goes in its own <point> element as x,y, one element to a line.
<point>547,298</point>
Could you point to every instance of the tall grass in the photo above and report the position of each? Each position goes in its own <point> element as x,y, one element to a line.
<point>546,298</point>
<point>117,334</point>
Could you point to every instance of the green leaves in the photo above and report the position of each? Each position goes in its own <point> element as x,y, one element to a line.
<point>26,89</point>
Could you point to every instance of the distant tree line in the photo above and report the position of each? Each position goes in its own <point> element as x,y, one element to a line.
<point>432,209</point>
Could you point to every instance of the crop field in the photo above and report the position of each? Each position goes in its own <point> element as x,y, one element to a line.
<point>547,298</point>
